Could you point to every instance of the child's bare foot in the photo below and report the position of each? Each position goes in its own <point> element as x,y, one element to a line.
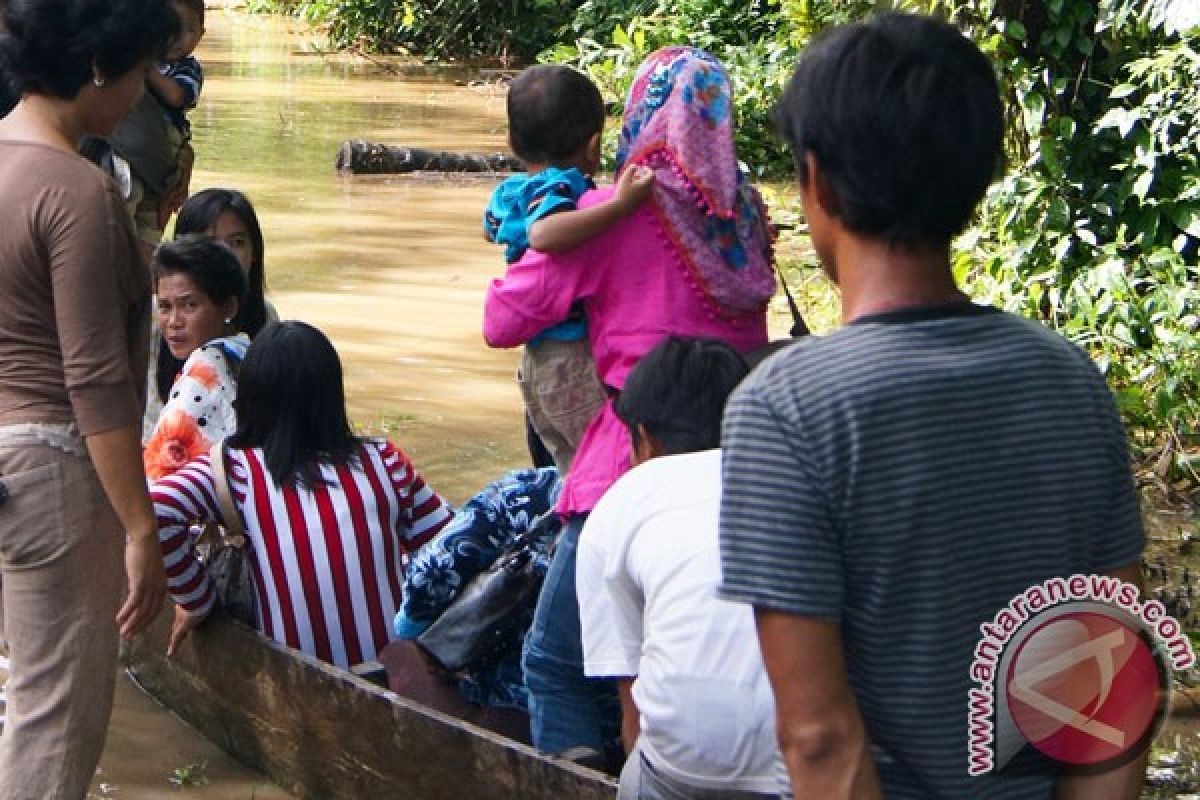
<point>634,185</point>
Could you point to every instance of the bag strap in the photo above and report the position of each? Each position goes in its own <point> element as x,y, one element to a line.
<point>799,326</point>
<point>229,514</point>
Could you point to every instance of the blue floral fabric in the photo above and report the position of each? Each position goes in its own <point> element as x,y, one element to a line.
<point>480,531</point>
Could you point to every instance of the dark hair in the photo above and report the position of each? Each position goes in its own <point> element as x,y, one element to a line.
<point>216,272</point>
<point>195,6</point>
<point>291,403</point>
<point>677,392</point>
<point>200,213</point>
<point>903,115</point>
<point>49,46</point>
<point>8,97</point>
<point>552,112</point>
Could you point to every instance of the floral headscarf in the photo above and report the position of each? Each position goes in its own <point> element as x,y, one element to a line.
<point>679,122</point>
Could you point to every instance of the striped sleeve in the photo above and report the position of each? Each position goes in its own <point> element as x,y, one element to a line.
<point>423,511</point>
<point>188,73</point>
<point>180,499</point>
<point>779,546</point>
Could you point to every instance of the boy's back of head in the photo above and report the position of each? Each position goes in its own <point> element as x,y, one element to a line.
<point>903,116</point>
<point>194,6</point>
<point>552,113</point>
<point>677,392</point>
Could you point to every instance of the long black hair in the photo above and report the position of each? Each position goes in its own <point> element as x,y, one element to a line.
<point>291,403</point>
<point>198,215</point>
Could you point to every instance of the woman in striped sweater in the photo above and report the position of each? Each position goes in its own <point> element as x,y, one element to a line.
<point>329,515</point>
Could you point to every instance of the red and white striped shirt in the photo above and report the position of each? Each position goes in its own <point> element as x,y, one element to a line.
<point>326,562</point>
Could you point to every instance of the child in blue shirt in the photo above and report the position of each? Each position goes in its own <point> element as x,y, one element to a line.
<point>555,120</point>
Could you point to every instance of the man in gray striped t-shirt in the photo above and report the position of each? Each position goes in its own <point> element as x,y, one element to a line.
<point>890,487</point>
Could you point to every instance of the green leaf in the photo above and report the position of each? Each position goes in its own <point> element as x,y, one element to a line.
<point>1187,218</point>
<point>1122,90</point>
<point>1016,29</point>
<point>1141,186</point>
<point>1035,111</point>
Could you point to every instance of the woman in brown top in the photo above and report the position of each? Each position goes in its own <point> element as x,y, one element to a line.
<point>73,338</point>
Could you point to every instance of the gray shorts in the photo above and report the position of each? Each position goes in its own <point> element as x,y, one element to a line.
<point>641,781</point>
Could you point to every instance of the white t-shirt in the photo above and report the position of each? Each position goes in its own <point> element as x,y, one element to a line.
<point>647,571</point>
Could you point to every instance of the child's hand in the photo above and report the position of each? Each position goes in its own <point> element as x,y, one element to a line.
<point>633,187</point>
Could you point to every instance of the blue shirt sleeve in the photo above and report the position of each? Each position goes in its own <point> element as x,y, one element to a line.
<point>553,190</point>
<point>521,200</point>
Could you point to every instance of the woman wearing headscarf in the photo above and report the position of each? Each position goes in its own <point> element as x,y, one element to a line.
<point>694,260</point>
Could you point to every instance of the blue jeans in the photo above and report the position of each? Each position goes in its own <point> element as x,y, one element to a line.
<point>566,708</point>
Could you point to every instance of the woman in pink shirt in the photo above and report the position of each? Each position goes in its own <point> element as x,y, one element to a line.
<point>694,260</point>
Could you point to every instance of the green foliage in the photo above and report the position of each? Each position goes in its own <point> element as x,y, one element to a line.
<point>437,29</point>
<point>751,37</point>
<point>1097,226</point>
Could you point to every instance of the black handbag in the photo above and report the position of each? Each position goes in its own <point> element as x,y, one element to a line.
<point>228,557</point>
<point>480,622</point>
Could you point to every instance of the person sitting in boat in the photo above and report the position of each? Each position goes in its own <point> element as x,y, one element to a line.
<point>200,287</point>
<point>330,516</point>
<point>697,716</point>
<point>228,216</point>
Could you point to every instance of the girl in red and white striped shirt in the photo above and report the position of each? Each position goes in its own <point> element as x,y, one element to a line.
<point>328,515</point>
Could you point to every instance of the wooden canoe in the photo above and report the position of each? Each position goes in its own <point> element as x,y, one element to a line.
<point>323,732</point>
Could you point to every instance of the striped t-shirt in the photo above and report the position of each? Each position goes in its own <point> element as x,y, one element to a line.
<point>326,562</point>
<point>905,477</point>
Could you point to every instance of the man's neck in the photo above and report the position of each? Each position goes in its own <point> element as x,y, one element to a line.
<point>875,277</point>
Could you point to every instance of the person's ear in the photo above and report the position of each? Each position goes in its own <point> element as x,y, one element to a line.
<point>645,446</point>
<point>593,151</point>
<point>817,187</point>
<point>229,310</point>
<point>98,78</point>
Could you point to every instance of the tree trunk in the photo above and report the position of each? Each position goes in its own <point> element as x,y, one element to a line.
<point>367,158</point>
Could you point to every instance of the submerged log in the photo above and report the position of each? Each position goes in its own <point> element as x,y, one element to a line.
<point>369,158</point>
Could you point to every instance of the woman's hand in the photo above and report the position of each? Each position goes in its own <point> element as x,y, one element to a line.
<point>117,456</point>
<point>183,624</point>
<point>147,584</point>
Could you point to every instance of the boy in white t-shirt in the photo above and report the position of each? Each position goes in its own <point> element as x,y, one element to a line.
<point>697,711</point>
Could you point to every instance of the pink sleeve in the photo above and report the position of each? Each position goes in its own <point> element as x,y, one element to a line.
<point>538,291</point>
<point>179,499</point>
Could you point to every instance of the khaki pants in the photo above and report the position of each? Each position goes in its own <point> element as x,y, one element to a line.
<point>61,580</point>
<point>562,395</point>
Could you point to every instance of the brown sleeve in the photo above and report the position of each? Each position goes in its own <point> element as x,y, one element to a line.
<point>92,275</point>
